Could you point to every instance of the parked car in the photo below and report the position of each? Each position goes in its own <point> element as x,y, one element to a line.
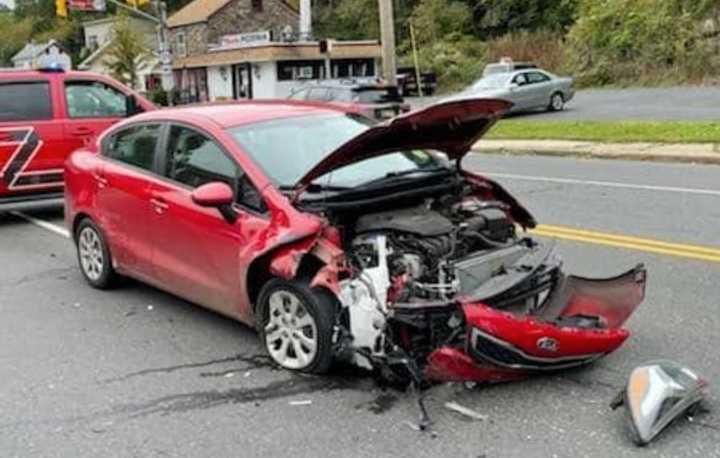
<point>526,89</point>
<point>507,66</point>
<point>407,82</point>
<point>341,239</point>
<point>374,100</point>
<point>44,116</point>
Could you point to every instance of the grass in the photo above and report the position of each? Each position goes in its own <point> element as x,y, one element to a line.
<point>610,131</point>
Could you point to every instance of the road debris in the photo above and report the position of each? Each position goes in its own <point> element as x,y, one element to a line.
<point>656,394</point>
<point>304,402</point>
<point>470,413</point>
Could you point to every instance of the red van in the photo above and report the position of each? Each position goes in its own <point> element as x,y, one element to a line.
<point>46,115</point>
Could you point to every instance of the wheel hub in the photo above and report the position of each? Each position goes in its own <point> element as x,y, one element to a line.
<point>92,258</point>
<point>290,333</point>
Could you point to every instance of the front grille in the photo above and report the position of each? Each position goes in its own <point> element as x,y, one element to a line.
<point>496,351</point>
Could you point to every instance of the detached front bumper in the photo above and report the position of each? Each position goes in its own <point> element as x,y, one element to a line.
<point>579,322</point>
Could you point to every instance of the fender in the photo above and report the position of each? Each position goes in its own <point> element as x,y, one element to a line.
<point>287,260</point>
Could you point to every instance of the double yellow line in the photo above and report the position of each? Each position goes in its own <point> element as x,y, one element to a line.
<point>632,243</point>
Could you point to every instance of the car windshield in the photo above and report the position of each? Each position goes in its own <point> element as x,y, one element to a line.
<point>496,81</point>
<point>286,149</point>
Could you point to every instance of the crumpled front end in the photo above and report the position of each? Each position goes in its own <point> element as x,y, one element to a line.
<point>579,321</point>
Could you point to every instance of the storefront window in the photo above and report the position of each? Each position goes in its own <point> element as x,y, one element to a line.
<point>352,68</point>
<point>289,70</point>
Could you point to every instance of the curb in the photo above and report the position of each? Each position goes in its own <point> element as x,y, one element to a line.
<point>704,157</point>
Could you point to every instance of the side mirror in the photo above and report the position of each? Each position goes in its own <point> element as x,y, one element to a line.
<point>216,195</point>
<point>656,394</point>
<point>513,86</point>
<point>131,106</point>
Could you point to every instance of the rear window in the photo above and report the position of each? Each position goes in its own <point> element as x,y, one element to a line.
<point>26,101</point>
<point>377,95</point>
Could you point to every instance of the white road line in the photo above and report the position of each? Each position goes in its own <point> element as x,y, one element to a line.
<point>54,228</point>
<point>607,184</point>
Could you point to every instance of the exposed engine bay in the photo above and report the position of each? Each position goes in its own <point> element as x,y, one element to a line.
<point>416,270</point>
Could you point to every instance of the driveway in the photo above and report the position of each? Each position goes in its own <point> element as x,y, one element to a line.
<point>654,104</point>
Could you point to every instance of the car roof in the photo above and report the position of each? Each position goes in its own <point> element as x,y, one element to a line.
<point>237,113</point>
<point>21,74</point>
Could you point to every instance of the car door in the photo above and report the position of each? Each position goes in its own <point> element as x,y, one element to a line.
<point>541,89</point>
<point>31,141</point>
<point>522,92</point>
<point>123,200</point>
<point>91,106</point>
<point>197,251</point>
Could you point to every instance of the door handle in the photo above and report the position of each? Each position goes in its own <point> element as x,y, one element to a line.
<point>81,131</point>
<point>100,180</point>
<point>159,205</point>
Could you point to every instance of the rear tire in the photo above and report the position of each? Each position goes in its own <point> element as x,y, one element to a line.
<point>557,102</point>
<point>94,255</point>
<point>295,324</point>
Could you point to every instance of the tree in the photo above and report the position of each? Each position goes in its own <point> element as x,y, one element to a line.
<point>127,53</point>
<point>15,34</point>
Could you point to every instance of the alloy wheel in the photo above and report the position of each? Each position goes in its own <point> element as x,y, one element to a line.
<point>92,258</point>
<point>291,335</point>
<point>557,102</point>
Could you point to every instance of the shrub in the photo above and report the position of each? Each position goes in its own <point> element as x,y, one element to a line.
<point>636,41</point>
<point>544,47</point>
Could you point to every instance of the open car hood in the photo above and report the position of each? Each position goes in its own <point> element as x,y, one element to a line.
<point>451,127</point>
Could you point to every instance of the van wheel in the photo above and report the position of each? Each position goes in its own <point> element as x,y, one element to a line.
<point>295,323</point>
<point>557,102</point>
<point>94,255</point>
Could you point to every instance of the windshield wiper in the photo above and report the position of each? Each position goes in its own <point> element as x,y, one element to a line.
<point>405,173</point>
<point>314,188</point>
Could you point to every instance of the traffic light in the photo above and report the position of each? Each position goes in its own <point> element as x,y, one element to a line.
<point>61,8</point>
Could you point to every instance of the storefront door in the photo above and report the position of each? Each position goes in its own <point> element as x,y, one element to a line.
<point>242,81</point>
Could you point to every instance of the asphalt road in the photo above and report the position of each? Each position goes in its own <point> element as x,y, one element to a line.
<point>136,372</point>
<point>652,104</point>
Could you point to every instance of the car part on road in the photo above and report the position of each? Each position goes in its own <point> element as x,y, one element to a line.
<point>465,411</point>
<point>657,393</point>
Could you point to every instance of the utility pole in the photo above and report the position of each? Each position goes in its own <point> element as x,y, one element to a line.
<point>387,38</point>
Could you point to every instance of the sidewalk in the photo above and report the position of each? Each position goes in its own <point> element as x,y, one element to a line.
<point>705,153</point>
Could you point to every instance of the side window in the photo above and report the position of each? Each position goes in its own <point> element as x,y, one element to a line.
<point>537,77</point>
<point>134,145</point>
<point>93,99</point>
<point>25,101</point>
<point>521,79</point>
<point>193,159</point>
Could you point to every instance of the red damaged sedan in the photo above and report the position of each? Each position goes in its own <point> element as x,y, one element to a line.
<point>341,239</point>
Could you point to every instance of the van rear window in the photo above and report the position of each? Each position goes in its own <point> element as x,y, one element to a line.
<point>26,101</point>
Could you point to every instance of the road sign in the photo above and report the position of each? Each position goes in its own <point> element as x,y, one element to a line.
<point>87,5</point>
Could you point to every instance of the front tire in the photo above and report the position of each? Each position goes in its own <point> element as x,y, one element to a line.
<point>295,323</point>
<point>557,102</point>
<point>94,255</point>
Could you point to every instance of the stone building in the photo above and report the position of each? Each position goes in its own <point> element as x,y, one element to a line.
<point>233,49</point>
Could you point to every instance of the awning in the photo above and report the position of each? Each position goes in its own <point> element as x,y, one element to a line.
<point>281,51</point>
